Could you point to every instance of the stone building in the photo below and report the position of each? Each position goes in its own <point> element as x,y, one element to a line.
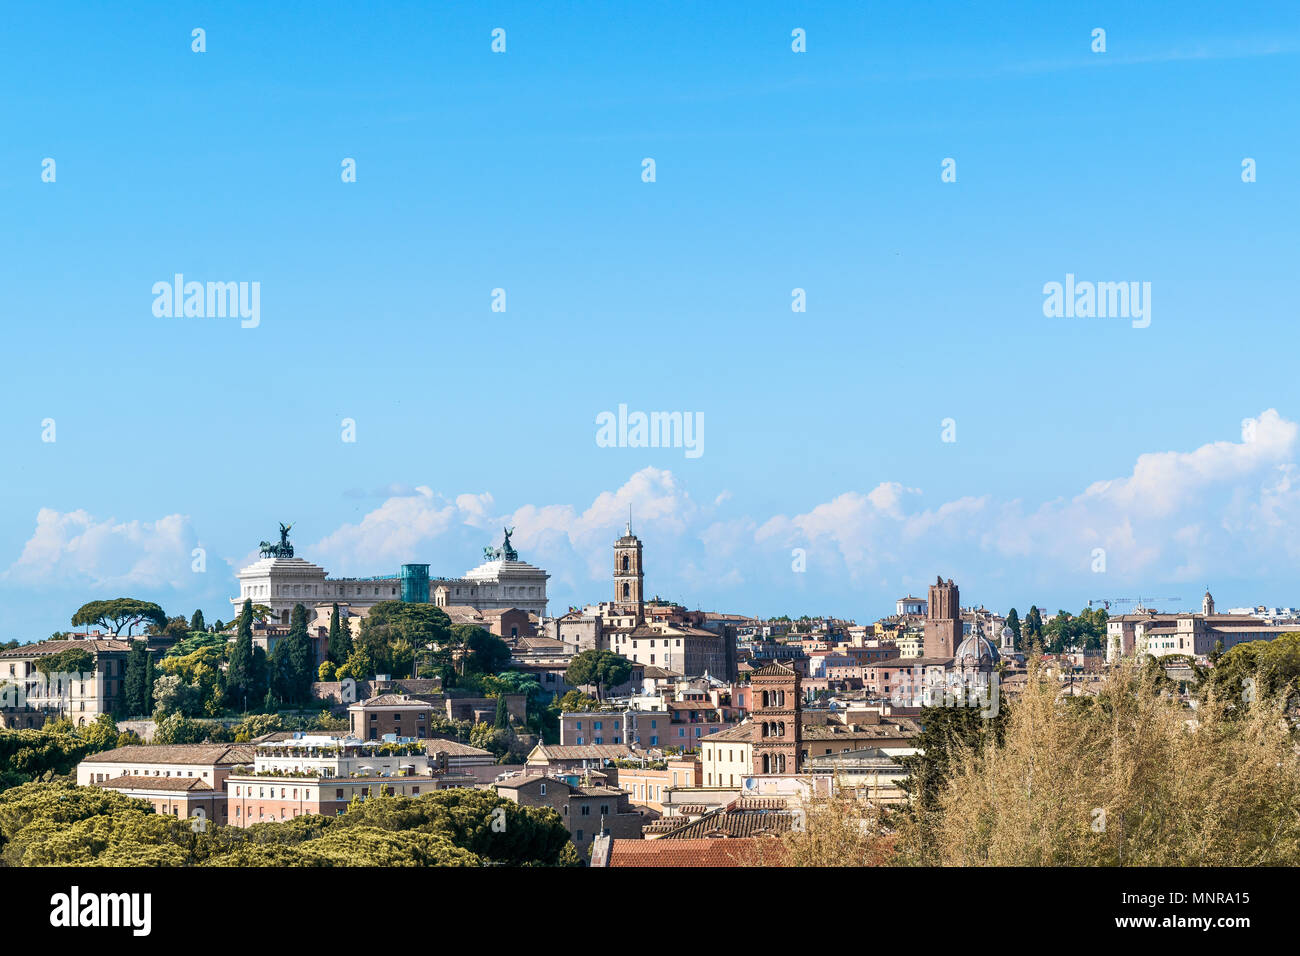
<point>943,623</point>
<point>179,780</point>
<point>587,810</point>
<point>28,696</point>
<point>1196,635</point>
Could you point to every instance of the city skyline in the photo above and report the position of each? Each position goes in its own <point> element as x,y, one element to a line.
<point>420,525</point>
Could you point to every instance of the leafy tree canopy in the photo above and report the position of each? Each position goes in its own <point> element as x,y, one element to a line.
<point>119,613</point>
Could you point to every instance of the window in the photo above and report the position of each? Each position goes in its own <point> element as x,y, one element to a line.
<point>542,791</point>
<point>586,809</point>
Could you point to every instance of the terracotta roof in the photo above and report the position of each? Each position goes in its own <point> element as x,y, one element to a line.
<point>454,748</point>
<point>539,643</point>
<point>774,669</point>
<point>146,755</point>
<point>43,648</point>
<point>498,611</point>
<point>463,614</point>
<point>128,782</point>
<point>582,752</point>
<point>741,732</point>
<point>395,700</point>
<point>740,818</point>
<point>655,672</point>
<point>694,852</point>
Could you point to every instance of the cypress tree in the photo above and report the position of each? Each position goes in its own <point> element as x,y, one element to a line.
<point>239,673</point>
<point>300,657</point>
<point>133,692</point>
<point>149,677</point>
<point>260,679</point>
<point>340,638</point>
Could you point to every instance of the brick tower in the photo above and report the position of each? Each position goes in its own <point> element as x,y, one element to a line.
<point>776,712</point>
<point>943,620</point>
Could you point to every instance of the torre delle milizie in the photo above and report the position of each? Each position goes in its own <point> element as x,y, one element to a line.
<point>280,580</point>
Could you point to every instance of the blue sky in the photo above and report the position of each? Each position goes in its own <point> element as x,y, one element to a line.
<point>775,170</point>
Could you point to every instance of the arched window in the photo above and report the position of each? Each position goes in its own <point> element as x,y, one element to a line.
<point>767,767</point>
<point>625,562</point>
<point>627,591</point>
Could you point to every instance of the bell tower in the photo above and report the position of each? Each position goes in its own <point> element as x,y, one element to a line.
<point>777,712</point>
<point>629,575</point>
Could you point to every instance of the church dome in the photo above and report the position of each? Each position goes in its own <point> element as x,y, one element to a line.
<point>976,651</point>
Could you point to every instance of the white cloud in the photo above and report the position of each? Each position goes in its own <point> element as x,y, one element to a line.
<point>1223,509</point>
<point>1181,515</point>
<point>75,547</point>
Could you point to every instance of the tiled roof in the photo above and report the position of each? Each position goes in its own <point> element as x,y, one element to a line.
<point>652,671</point>
<point>498,611</point>
<point>581,752</point>
<point>774,669</point>
<point>43,648</point>
<point>759,817</point>
<point>127,782</point>
<point>841,732</point>
<point>454,748</point>
<point>146,755</point>
<point>395,700</point>
<point>695,852</point>
<point>741,733</point>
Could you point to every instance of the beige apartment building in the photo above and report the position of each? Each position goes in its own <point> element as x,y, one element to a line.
<point>649,786</point>
<point>28,697</point>
<point>182,780</point>
<point>319,773</point>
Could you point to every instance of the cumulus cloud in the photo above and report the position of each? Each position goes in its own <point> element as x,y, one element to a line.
<point>75,547</point>
<point>1226,507</point>
<point>1180,515</point>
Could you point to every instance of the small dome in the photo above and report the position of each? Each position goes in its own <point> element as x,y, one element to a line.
<point>976,651</point>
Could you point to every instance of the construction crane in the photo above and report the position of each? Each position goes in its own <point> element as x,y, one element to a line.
<point>1141,602</point>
